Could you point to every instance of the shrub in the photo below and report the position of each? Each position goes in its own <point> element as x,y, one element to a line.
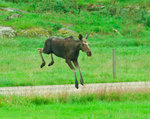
<point>40,100</point>
<point>147,20</point>
<point>48,5</point>
<point>57,26</point>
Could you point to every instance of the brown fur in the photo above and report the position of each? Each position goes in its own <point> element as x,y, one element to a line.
<point>67,48</point>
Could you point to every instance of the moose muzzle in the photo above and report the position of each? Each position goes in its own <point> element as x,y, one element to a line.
<point>89,53</point>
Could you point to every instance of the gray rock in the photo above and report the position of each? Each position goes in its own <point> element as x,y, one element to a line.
<point>64,32</point>
<point>14,15</point>
<point>7,9</point>
<point>102,6</point>
<point>126,9</point>
<point>11,9</point>
<point>7,32</point>
<point>35,32</point>
<point>95,7</point>
<point>137,7</point>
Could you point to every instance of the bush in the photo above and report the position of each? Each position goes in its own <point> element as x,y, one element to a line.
<point>49,5</point>
<point>57,26</point>
<point>147,20</point>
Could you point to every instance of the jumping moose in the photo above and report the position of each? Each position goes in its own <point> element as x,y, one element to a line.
<point>67,48</point>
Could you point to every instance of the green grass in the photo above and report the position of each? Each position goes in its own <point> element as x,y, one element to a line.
<point>106,106</point>
<point>93,110</point>
<point>20,64</point>
<point>20,61</point>
<point>134,23</point>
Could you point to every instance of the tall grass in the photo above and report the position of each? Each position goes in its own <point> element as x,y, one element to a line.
<point>118,96</point>
<point>39,108</point>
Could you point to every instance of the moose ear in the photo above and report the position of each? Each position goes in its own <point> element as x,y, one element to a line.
<point>80,37</point>
<point>86,37</point>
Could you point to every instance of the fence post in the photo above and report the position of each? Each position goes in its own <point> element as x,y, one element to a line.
<point>114,63</point>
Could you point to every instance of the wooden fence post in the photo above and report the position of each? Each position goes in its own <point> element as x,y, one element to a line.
<point>114,63</point>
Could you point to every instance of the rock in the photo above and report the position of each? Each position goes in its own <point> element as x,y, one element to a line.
<point>67,32</point>
<point>7,32</point>
<point>35,32</point>
<point>14,15</point>
<point>148,11</point>
<point>102,6</point>
<point>11,9</point>
<point>127,9</point>
<point>137,7</point>
<point>95,7</point>
<point>7,9</point>
<point>124,10</point>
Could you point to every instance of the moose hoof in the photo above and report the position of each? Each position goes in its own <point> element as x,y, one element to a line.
<point>81,82</point>
<point>76,85</point>
<point>50,63</point>
<point>43,64</point>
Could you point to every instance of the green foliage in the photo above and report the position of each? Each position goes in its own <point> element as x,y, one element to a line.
<point>48,5</point>
<point>90,110</point>
<point>147,20</point>
<point>35,32</point>
<point>129,18</point>
<point>57,26</point>
<point>39,100</point>
<point>1,103</point>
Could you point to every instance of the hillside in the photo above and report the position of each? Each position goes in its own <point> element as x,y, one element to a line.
<point>104,17</point>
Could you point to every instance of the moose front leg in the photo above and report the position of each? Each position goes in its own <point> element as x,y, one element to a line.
<point>73,69</point>
<point>52,60</point>
<point>77,66</point>
<point>40,52</point>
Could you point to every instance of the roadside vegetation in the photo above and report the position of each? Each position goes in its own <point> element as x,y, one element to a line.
<point>104,105</point>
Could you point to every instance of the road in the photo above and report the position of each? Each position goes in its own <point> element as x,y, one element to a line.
<point>70,89</point>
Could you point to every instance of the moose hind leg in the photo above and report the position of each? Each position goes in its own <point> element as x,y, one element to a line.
<point>52,60</point>
<point>77,66</point>
<point>73,69</point>
<point>40,52</point>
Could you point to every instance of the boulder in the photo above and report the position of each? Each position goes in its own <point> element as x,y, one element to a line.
<point>7,9</point>
<point>11,9</point>
<point>95,7</point>
<point>64,32</point>
<point>14,15</point>
<point>137,7</point>
<point>35,32</point>
<point>7,32</point>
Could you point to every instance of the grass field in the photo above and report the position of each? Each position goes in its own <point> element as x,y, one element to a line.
<point>111,106</point>
<point>20,61</point>
<point>92,110</point>
<point>20,64</point>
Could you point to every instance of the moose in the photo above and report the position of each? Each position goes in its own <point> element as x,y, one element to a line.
<point>67,48</point>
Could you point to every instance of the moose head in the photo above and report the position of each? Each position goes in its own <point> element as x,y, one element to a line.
<point>84,46</point>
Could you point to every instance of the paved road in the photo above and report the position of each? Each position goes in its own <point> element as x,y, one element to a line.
<point>69,89</point>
